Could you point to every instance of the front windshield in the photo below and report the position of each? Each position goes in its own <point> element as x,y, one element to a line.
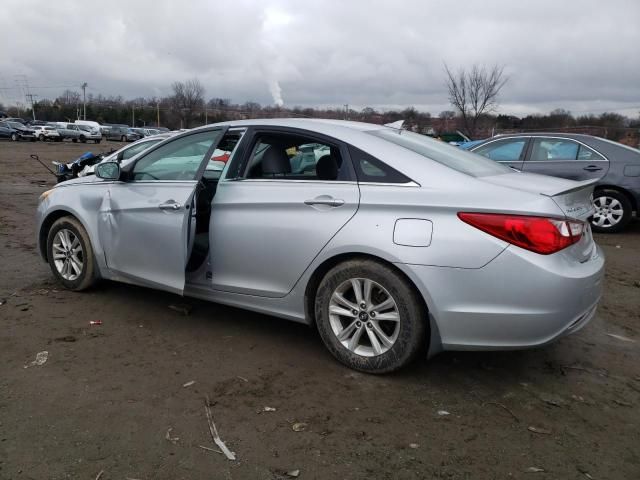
<point>441,152</point>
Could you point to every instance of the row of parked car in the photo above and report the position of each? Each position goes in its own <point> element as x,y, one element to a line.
<point>83,131</point>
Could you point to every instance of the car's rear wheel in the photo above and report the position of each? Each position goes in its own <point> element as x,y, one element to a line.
<point>83,139</point>
<point>370,317</point>
<point>14,137</point>
<point>97,141</point>
<point>74,140</point>
<point>612,211</point>
<point>123,138</point>
<point>70,254</point>
<point>41,137</point>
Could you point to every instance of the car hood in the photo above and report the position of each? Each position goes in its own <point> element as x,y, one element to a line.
<point>79,181</point>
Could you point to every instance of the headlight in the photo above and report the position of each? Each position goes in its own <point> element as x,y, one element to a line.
<point>44,195</point>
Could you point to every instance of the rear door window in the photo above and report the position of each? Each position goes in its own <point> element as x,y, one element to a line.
<point>293,156</point>
<point>544,149</point>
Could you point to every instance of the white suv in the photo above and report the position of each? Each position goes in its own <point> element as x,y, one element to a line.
<point>46,132</point>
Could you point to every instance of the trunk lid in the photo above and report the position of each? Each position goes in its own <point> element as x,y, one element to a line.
<point>573,198</point>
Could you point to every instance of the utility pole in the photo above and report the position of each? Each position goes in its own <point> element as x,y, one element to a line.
<point>133,115</point>
<point>84,101</point>
<point>157,113</point>
<point>346,111</point>
<point>206,118</point>
<point>33,108</point>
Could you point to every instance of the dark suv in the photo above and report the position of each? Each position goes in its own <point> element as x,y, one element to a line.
<point>577,157</point>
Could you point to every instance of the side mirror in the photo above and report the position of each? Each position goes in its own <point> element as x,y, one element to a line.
<point>108,171</point>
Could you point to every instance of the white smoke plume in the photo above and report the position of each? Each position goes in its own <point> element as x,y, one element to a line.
<point>276,92</point>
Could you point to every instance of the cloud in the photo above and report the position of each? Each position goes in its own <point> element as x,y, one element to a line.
<point>365,53</point>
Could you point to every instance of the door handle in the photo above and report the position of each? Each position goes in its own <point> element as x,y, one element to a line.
<point>592,168</point>
<point>329,202</point>
<point>169,205</point>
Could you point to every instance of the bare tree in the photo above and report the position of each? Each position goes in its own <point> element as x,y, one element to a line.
<point>474,93</point>
<point>188,97</point>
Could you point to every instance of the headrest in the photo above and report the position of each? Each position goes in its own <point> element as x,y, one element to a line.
<point>275,161</point>
<point>327,168</point>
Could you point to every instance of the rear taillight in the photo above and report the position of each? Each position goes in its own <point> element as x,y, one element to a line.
<point>537,234</point>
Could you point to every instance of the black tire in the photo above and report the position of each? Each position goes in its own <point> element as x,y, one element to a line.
<point>41,138</point>
<point>97,141</point>
<point>123,138</point>
<point>59,139</point>
<point>604,196</point>
<point>74,140</point>
<point>83,139</point>
<point>413,327</point>
<point>33,139</point>
<point>87,276</point>
<point>14,137</point>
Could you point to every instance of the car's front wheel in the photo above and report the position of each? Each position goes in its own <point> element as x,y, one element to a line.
<point>41,138</point>
<point>70,254</point>
<point>370,317</point>
<point>612,211</point>
<point>14,137</point>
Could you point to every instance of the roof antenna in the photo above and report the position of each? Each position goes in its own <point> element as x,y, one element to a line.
<point>396,125</point>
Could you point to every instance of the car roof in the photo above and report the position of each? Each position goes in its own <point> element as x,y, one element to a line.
<point>316,124</point>
<point>575,136</point>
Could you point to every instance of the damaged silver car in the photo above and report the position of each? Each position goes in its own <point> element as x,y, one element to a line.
<point>392,244</point>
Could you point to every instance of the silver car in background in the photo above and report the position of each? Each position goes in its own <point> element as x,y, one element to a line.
<point>392,244</point>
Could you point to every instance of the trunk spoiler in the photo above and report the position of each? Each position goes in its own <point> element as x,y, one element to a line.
<point>578,186</point>
<point>576,202</point>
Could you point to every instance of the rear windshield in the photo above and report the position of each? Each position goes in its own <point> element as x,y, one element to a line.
<point>448,155</point>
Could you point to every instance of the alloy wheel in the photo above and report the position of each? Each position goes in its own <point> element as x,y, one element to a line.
<point>609,212</point>
<point>364,317</point>
<point>68,254</point>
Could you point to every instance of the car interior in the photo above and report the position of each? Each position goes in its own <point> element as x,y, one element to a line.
<point>292,157</point>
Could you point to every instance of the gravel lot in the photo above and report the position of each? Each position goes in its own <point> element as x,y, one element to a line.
<point>108,395</point>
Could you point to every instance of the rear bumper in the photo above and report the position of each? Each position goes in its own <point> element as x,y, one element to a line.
<point>519,300</point>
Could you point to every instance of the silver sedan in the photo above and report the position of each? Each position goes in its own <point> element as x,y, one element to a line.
<point>390,243</point>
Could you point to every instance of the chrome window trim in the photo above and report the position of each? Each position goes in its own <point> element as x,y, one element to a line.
<point>554,160</point>
<point>571,140</point>
<point>388,184</point>
<point>322,182</point>
<point>533,137</point>
<point>285,180</point>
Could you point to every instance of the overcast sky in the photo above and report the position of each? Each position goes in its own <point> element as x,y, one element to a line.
<point>580,55</point>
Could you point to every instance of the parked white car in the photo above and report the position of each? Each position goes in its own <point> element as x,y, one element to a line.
<point>89,123</point>
<point>46,132</point>
<point>88,132</point>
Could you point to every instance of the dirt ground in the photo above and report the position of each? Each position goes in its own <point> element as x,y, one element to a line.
<point>112,398</point>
